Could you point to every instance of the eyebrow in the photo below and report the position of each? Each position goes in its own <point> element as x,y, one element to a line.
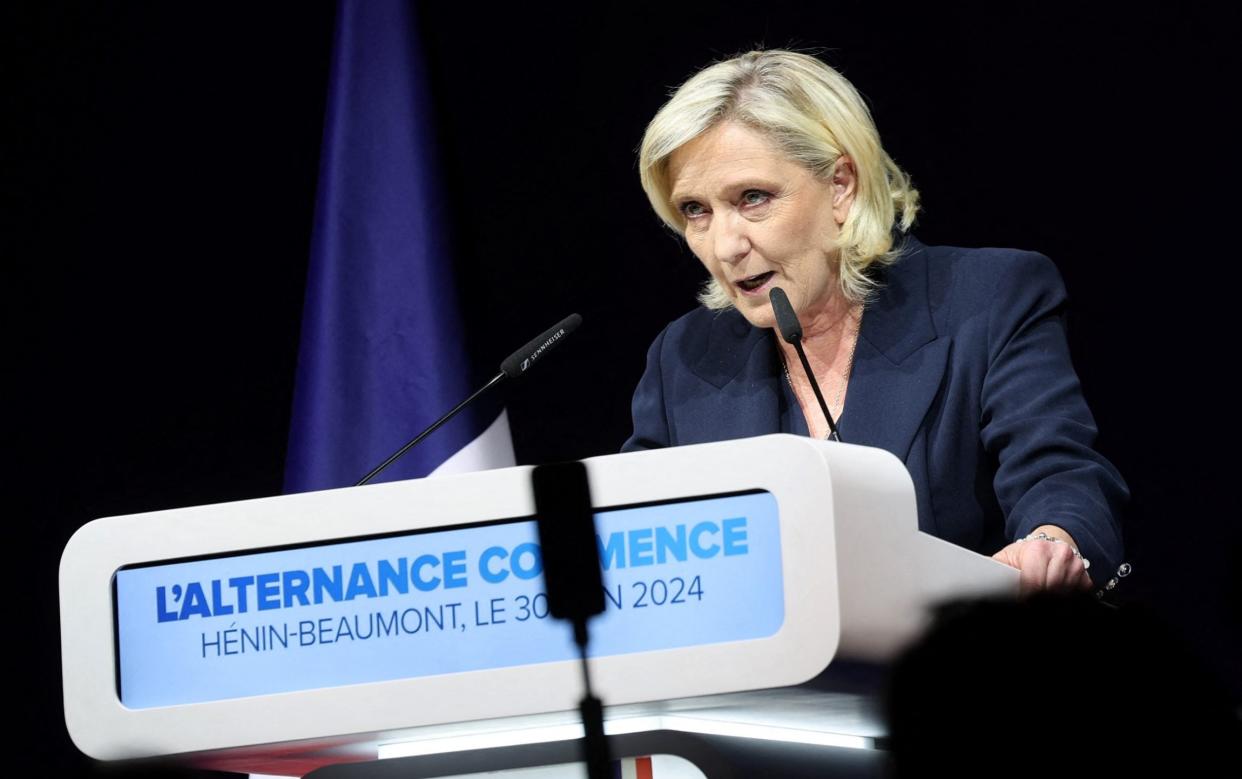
<point>741,186</point>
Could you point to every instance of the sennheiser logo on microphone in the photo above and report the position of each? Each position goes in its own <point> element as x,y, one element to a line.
<point>542,347</point>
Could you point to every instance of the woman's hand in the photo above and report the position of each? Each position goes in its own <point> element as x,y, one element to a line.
<point>1046,565</point>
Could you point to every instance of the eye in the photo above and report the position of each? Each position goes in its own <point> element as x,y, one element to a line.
<point>690,209</point>
<point>755,197</point>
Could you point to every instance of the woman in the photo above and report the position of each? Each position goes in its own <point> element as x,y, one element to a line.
<point>955,360</point>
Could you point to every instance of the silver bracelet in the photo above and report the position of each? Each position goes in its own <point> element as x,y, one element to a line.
<point>1042,536</point>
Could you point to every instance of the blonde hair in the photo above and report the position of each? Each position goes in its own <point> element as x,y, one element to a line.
<point>814,116</point>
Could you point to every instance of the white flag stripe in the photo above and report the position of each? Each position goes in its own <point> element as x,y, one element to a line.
<point>492,449</point>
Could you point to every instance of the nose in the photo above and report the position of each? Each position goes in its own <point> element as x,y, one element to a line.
<point>730,239</point>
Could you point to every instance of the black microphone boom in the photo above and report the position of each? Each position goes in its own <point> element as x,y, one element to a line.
<point>791,330</point>
<point>515,365</point>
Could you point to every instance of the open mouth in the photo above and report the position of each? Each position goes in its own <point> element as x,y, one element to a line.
<point>752,283</point>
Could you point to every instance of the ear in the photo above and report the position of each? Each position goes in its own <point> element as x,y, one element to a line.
<point>844,187</point>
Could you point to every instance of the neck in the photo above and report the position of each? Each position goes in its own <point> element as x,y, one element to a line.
<point>828,332</point>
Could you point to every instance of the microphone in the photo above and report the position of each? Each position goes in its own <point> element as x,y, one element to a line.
<point>786,320</point>
<point>573,581</point>
<point>791,331</point>
<point>523,359</point>
<point>514,366</point>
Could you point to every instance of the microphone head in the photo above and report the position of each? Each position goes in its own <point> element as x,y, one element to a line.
<point>786,319</point>
<point>524,359</point>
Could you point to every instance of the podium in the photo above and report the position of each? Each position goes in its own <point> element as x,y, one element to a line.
<point>750,586</point>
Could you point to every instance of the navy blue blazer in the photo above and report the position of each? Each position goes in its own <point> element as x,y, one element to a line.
<point>962,370</point>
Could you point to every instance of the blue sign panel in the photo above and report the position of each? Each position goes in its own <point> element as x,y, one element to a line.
<point>677,574</point>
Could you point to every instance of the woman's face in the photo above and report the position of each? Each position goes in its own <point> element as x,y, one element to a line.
<point>758,220</point>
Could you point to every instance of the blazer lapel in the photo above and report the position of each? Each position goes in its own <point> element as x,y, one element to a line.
<point>744,399</point>
<point>899,362</point>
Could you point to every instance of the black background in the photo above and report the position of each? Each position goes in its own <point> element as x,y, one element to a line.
<point>160,186</point>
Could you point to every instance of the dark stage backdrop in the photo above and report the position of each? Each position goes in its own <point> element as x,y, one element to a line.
<point>161,187</point>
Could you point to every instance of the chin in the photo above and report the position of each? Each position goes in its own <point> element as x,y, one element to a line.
<point>760,316</point>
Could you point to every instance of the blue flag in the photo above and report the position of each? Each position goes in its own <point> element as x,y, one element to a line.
<point>382,353</point>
